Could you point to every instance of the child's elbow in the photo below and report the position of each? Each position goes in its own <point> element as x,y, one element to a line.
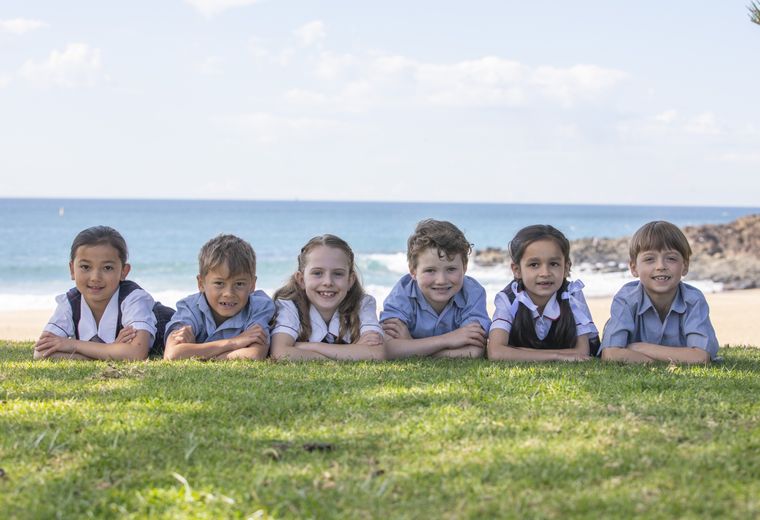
<point>701,356</point>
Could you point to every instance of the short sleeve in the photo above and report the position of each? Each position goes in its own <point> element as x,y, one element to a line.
<point>475,306</point>
<point>184,316</point>
<point>61,323</point>
<point>137,312</point>
<point>261,311</point>
<point>698,329</point>
<point>287,321</point>
<point>398,305</point>
<point>368,316</point>
<point>620,329</point>
<point>502,316</point>
<point>584,324</point>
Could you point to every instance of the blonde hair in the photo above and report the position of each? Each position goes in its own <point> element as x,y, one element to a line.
<point>659,235</point>
<point>234,252</point>
<point>443,236</point>
<point>348,310</point>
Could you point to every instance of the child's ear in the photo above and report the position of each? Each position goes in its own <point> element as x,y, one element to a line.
<point>71,269</point>
<point>125,271</point>
<point>685,268</point>
<point>634,271</point>
<point>413,271</point>
<point>253,283</point>
<point>299,279</point>
<point>200,283</point>
<point>516,270</point>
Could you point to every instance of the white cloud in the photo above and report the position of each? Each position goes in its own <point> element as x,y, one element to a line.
<point>77,65</point>
<point>262,53</point>
<point>703,124</point>
<point>4,81</point>
<point>271,128</point>
<point>211,66</point>
<point>212,7</point>
<point>20,25</point>
<point>667,116</point>
<point>311,33</point>
<point>490,81</point>
<point>748,158</point>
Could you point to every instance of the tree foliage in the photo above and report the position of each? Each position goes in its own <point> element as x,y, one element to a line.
<point>754,12</point>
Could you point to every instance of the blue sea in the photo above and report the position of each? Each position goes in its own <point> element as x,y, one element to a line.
<point>164,237</point>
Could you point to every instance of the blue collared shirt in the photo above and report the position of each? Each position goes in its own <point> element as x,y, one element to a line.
<point>195,311</point>
<point>407,303</point>
<point>635,319</point>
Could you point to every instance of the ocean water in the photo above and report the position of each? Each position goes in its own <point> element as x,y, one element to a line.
<point>164,238</point>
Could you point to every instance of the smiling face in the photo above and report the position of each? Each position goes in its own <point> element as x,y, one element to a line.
<point>97,271</point>
<point>326,277</point>
<point>660,272</point>
<point>226,294</point>
<point>542,270</point>
<point>438,277</point>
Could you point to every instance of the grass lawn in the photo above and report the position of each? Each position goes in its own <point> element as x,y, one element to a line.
<point>414,439</point>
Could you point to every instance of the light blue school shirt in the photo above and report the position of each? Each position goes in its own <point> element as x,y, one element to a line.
<point>635,319</point>
<point>407,303</point>
<point>195,311</point>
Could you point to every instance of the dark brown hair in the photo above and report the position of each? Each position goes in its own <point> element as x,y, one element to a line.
<point>234,252</point>
<point>447,239</point>
<point>659,235</point>
<point>348,310</point>
<point>99,235</point>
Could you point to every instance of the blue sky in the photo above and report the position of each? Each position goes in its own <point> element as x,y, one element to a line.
<point>643,102</point>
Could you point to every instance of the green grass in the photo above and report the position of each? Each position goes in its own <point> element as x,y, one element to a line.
<point>416,439</point>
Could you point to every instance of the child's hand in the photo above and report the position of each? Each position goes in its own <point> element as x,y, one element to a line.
<point>370,339</point>
<point>183,335</point>
<point>396,329</point>
<point>470,335</point>
<point>126,335</point>
<point>574,356</point>
<point>253,335</point>
<point>49,343</point>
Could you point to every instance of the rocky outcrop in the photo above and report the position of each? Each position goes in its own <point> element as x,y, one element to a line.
<point>725,253</point>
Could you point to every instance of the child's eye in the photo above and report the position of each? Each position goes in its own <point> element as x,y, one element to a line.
<point>108,268</point>
<point>533,264</point>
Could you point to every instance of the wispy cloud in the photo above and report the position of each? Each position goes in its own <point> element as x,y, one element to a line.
<point>269,128</point>
<point>704,124</point>
<point>362,82</point>
<point>311,33</point>
<point>20,25</point>
<point>213,7</point>
<point>77,65</point>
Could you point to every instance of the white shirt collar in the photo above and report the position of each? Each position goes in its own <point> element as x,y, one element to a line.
<point>319,328</point>
<point>106,329</point>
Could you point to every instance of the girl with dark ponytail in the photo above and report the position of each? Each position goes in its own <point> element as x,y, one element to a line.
<point>540,315</point>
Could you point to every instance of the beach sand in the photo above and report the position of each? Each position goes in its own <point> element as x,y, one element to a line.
<point>733,314</point>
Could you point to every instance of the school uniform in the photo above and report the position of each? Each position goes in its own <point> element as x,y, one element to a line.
<point>136,312</point>
<point>505,312</point>
<point>287,322</point>
<point>196,312</point>
<point>635,319</point>
<point>407,303</point>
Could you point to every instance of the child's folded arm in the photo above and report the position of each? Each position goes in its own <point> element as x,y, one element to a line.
<point>180,343</point>
<point>678,354</point>
<point>403,345</point>
<point>50,345</point>
<point>284,347</point>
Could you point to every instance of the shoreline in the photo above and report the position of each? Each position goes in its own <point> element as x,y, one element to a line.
<point>733,314</point>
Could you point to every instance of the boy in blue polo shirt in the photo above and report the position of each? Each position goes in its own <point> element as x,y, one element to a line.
<point>227,318</point>
<point>436,310</point>
<point>658,317</point>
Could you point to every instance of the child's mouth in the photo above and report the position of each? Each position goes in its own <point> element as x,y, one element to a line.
<point>661,278</point>
<point>327,294</point>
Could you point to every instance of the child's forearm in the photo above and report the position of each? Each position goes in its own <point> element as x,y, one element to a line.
<point>254,352</point>
<point>624,355</point>
<point>353,352</point>
<point>674,354</point>
<point>403,348</point>
<point>293,353</point>
<point>123,351</point>
<point>498,352</point>
<point>460,352</point>
<point>212,349</point>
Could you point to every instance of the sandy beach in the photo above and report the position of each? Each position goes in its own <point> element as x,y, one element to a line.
<point>733,314</point>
